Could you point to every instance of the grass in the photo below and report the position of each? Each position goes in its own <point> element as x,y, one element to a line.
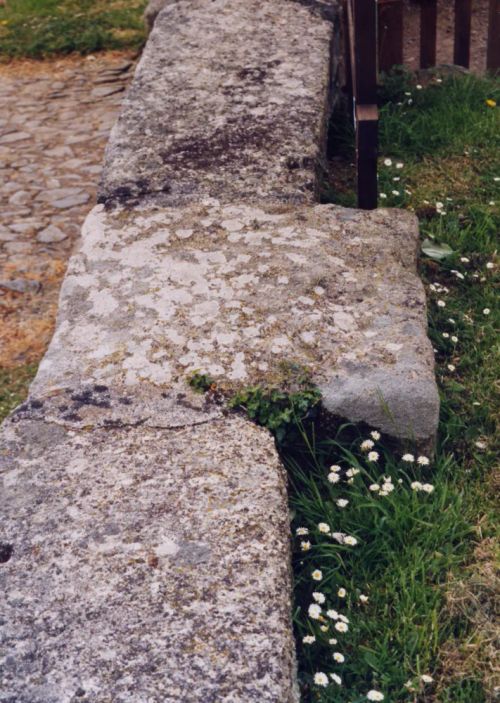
<point>41,28</point>
<point>426,561</point>
<point>14,384</point>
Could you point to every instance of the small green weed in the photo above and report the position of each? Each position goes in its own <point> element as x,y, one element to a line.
<point>276,409</point>
<point>200,382</point>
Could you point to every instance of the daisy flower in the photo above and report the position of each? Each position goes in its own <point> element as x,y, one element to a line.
<point>314,611</point>
<point>320,679</point>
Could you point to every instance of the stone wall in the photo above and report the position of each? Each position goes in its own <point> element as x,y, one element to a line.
<point>144,529</point>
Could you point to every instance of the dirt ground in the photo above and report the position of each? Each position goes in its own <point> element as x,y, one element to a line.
<point>445,33</point>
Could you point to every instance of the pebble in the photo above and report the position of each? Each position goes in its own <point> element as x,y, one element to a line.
<point>51,234</point>
<point>103,92</point>
<point>21,285</point>
<point>72,201</point>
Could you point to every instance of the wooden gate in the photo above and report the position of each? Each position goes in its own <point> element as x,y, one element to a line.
<point>374,39</point>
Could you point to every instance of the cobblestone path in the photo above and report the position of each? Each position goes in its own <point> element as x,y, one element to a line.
<point>55,118</point>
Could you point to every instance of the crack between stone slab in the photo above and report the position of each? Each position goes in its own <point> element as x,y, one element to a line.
<point>119,425</point>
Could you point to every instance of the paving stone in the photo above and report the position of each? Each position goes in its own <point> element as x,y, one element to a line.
<point>14,137</point>
<point>21,285</point>
<point>51,234</point>
<point>60,151</point>
<point>17,247</point>
<point>102,92</point>
<point>7,235</point>
<point>58,194</point>
<point>22,197</point>
<point>26,227</point>
<point>71,201</point>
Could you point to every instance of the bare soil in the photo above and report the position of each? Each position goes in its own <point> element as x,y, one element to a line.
<point>445,33</point>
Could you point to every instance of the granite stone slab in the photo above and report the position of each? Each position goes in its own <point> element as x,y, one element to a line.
<point>241,291</point>
<point>230,100</point>
<point>142,564</point>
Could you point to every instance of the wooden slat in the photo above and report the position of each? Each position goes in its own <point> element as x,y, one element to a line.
<point>352,46</point>
<point>390,34</point>
<point>347,52</point>
<point>366,155</point>
<point>493,52</point>
<point>365,50</point>
<point>463,14</point>
<point>428,33</point>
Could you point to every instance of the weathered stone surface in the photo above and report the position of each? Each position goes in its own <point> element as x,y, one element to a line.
<point>236,291</point>
<point>145,563</point>
<point>152,11</point>
<point>229,100</point>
